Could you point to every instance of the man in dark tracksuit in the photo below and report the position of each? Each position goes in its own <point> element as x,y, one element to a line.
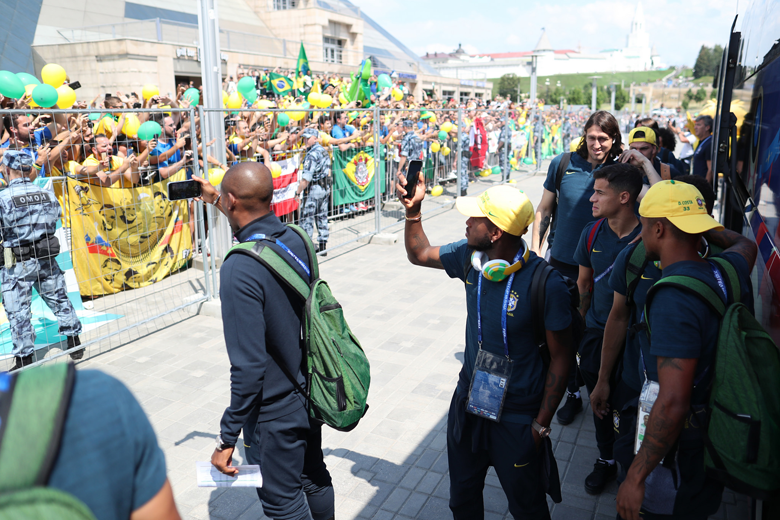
<point>278,434</point>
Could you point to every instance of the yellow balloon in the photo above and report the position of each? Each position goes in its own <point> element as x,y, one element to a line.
<point>435,147</point>
<point>224,98</point>
<point>54,75</point>
<point>486,172</point>
<point>454,128</point>
<point>215,176</point>
<point>150,91</point>
<point>235,100</point>
<point>342,99</point>
<point>445,151</point>
<point>297,115</point>
<point>436,191</point>
<point>397,94</point>
<point>276,170</point>
<point>575,144</point>
<point>432,120</point>
<point>447,126</point>
<point>315,98</point>
<point>66,97</point>
<point>132,123</point>
<point>326,100</point>
<point>28,91</point>
<point>105,126</point>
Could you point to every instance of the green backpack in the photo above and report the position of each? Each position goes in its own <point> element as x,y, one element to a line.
<point>337,370</point>
<point>743,434</point>
<point>33,407</point>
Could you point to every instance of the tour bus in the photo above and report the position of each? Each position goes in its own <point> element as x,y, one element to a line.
<point>747,147</point>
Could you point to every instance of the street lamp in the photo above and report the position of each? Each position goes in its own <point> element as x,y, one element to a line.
<point>612,88</point>
<point>593,106</point>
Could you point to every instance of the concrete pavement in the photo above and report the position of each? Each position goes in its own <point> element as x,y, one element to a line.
<point>411,323</point>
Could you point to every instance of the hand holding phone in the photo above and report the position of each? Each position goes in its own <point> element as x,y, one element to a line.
<point>412,178</point>
<point>179,190</point>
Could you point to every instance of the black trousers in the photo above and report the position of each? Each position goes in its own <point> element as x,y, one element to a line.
<point>571,272</point>
<point>289,452</point>
<point>624,403</point>
<point>473,445</point>
<point>590,362</point>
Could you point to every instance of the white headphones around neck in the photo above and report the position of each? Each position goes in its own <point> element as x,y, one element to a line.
<point>498,270</point>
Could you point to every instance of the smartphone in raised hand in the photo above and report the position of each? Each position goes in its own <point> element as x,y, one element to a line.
<point>179,190</point>
<point>412,178</point>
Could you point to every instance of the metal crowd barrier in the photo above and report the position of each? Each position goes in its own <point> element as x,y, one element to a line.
<point>127,253</point>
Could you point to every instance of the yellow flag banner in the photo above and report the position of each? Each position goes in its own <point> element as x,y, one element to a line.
<point>125,238</point>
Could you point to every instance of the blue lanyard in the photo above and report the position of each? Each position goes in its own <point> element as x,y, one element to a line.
<point>719,279</point>
<point>503,306</point>
<point>261,236</point>
<point>701,146</point>
<point>605,273</point>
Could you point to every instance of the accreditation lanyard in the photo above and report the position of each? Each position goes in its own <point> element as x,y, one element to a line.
<point>503,306</point>
<point>261,236</point>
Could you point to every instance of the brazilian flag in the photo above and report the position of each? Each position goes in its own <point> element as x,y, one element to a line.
<point>303,63</point>
<point>281,85</point>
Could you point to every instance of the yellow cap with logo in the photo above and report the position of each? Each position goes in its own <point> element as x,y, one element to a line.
<point>642,134</point>
<point>682,204</point>
<point>505,206</point>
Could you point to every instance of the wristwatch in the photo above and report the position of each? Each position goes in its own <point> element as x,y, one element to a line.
<point>543,431</point>
<point>223,446</point>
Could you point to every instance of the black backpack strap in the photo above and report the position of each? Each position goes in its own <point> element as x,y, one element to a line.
<point>637,263</point>
<point>538,297</point>
<point>33,409</point>
<point>313,263</point>
<point>562,167</point>
<point>467,267</point>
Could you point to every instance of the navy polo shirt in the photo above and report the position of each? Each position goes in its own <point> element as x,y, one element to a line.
<point>701,156</point>
<point>683,326</point>
<point>601,258</point>
<point>526,385</point>
<point>632,372</point>
<point>574,209</point>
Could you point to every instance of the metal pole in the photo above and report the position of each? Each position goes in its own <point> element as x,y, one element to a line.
<point>612,100</point>
<point>532,93</point>
<point>459,158</point>
<point>593,97</point>
<point>200,207</point>
<point>377,172</point>
<point>506,145</point>
<point>644,98</point>
<point>212,118</point>
<point>633,98</point>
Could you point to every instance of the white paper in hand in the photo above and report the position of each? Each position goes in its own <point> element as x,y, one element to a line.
<point>209,476</point>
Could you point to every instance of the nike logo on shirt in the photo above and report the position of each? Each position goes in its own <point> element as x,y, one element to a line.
<point>645,278</point>
<point>522,465</point>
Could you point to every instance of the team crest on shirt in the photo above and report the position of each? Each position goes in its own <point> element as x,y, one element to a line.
<point>615,419</point>
<point>700,202</point>
<point>512,305</point>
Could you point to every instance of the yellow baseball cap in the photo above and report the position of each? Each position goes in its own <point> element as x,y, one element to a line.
<point>505,206</point>
<point>682,204</point>
<point>646,135</point>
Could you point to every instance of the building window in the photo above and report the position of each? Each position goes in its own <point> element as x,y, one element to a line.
<point>282,5</point>
<point>333,49</point>
<point>447,94</point>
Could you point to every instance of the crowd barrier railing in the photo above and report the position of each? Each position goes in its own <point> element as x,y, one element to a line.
<point>125,253</point>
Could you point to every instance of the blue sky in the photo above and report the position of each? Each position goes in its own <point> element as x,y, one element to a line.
<point>678,28</point>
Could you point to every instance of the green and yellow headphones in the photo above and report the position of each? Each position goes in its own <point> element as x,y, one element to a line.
<point>498,270</point>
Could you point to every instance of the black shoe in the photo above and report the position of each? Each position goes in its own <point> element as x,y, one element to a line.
<point>321,248</point>
<point>73,342</point>
<point>603,472</point>
<point>22,361</point>
<point>569,411</point>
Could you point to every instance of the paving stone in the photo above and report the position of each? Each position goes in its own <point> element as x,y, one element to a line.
<point>414,504</point>
<point>396,499</point>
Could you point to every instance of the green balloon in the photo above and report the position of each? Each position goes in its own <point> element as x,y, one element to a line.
<point>10,85</point>
<point>283,119</point>
<point>45,95</point>
<point>192,95</point>
<point>94,116</point>
<point>27,79</point>
<point>149,131</point>
<point>246,84</point>
<point>384,81</point>
<point>250,96</point>
<point>496,170</point>
<point>442,135</point>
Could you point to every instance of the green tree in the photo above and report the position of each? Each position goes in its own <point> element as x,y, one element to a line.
<point>704,64</point>
<point>700,95</point>
<point>689,95</point>
<point>575,96</point>
<point>714,94</point>
<point>685,104</point>
<point>621,97</point>
<point>507,85</point>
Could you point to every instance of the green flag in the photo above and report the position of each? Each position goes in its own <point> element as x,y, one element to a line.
<point>281,85</point>
<point>353,175</point>
<point>303,63</point>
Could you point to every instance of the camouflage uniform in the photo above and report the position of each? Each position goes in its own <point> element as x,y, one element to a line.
<point>316,171</point>
<point>566,135</point>
<point>505,136</point>
<point>412,147</point>
<point>464,163</point>
<point>27,215</point>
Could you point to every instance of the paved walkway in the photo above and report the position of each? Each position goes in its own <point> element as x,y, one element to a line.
<point>411,322</point>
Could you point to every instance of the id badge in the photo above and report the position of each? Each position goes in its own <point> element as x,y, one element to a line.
<point>489,384</point>
<point>646,401</point>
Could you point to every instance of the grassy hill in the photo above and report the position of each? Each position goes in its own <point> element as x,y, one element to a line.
<point>578,80</point>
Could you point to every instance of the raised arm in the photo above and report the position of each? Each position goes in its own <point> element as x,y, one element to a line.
<point>418,249</point>
<point>542,221</point>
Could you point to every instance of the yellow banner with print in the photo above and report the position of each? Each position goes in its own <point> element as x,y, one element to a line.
<point>125,238</point>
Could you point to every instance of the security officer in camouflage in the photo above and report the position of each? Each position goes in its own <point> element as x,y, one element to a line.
<point>538,137</point>
<point>463,160</point>
<point>412,147</point>
<point>504,149</point>
<point>566,133</point>
<point>315,185</point>
<point>28,221</point>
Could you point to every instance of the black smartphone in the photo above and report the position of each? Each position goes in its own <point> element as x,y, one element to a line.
<point>108,95</point>
<point>187,142</point>
<point>75,85</point>
<point>412,176</point>
<point>137,105</point>
<point>179,190</point>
